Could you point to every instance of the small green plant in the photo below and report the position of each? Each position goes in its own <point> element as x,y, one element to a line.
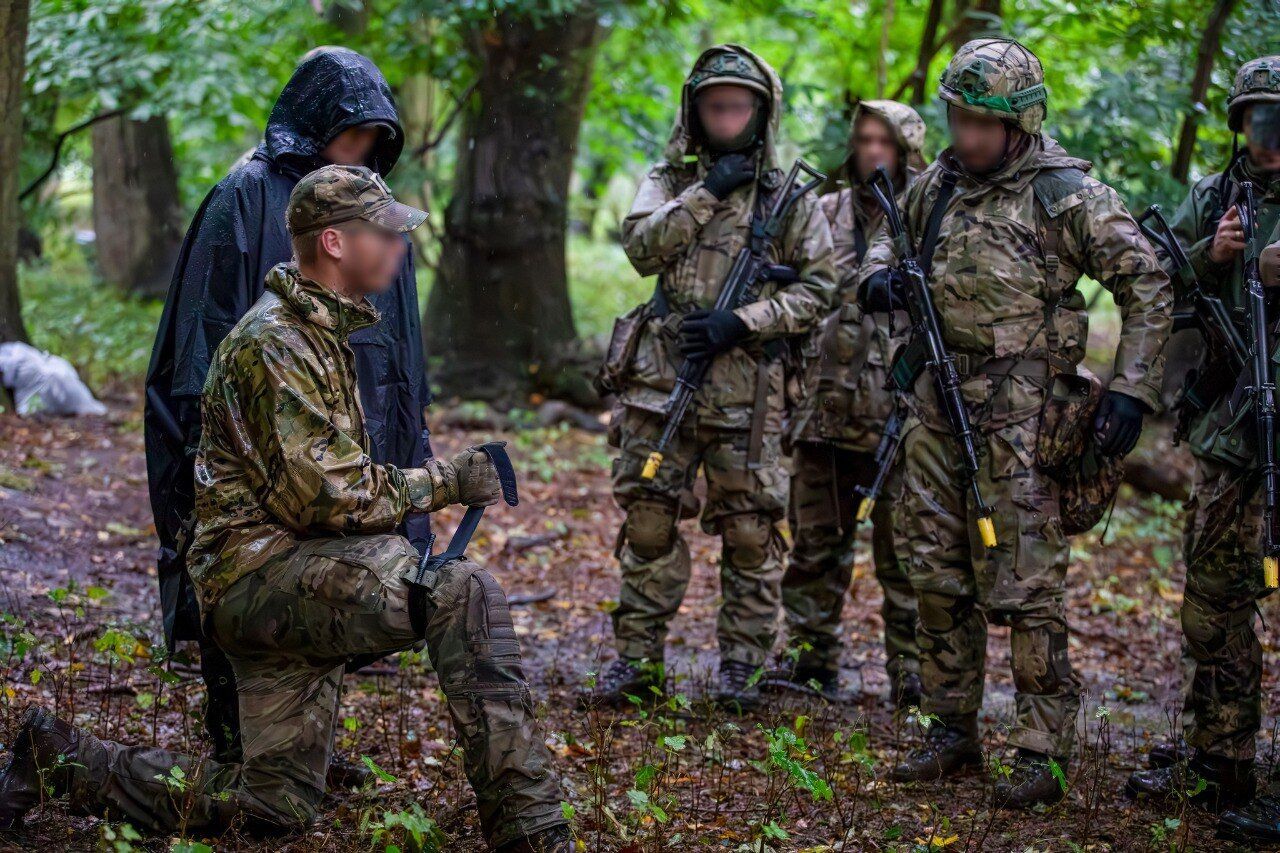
<point>406,831</point>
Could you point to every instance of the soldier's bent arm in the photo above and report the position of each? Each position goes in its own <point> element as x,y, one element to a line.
<point>1191,225</point>
<point>795,308</point>
<point>317,476</point>
<point>1115,252</point>
<point>663,222</point>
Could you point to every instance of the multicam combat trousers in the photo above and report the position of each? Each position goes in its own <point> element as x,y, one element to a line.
<point>1222,539</point>
<point>288,630</point>
<point>745,500</point>
<point>960,584</point>
<point>823,505</point>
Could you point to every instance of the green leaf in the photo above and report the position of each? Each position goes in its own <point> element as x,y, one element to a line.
<point>382,775</point>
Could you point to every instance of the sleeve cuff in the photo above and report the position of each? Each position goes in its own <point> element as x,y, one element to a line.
<point>700,203</point>
<point>757,316</point>
<point>1143,393</point>
<point>1205,268</point>
<point>432,487</point>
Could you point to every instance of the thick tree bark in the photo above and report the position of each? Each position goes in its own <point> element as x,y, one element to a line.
<point>1206,55</point>
<point>499,317</point>
<point>13,47</point>
<point>137,212</point>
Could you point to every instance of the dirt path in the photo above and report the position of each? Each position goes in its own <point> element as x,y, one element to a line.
<point>76,573</point>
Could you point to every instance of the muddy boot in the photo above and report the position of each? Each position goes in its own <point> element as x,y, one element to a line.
<point>946,749</point>
<point>737,690</point>
<point>344,774</point>
<point>622,678</point>
<point>905,690</point>
<point>1031,782</point>
<point>44,743</point>
<point>556,839</point>
<point>1168,752</point>
<point>1254,824</point>
<point>1213,783</point>
<point>812,681</point>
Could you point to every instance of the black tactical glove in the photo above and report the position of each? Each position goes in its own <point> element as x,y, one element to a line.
<point>882,292</point>
<point>730,172</point>
<point>1118,423</point>
<point>705,334</point>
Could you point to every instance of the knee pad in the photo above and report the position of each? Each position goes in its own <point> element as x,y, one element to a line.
<point>747,538</point>
<point>651,528</point>
<point>1039,655</point>
<point>940,612</point>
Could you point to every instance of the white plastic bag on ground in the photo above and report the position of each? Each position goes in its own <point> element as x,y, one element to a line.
<point>41,382</point>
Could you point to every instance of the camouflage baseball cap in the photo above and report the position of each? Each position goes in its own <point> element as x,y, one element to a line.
<point>335,194</point>
<point>1257,82</point>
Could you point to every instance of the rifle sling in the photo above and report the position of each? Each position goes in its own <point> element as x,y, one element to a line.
<point>934,224</point>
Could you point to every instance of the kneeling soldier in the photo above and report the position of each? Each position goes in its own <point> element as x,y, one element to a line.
<point>1017,222</point>
<point>691,217</point>
<point>298,570</point>
<point>837,428</point>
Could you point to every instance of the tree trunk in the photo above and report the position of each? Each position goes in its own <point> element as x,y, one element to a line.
<point>499,317</point>
<point>137,212</point>
<point>882,60</point>
<point>1206,55</point>
<point>13,46</point>
<point>975,19</point>
<point>928,48</point>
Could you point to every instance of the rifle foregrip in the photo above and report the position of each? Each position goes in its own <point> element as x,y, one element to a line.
<point>651,466</point>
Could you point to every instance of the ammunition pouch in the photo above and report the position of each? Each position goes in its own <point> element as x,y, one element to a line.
<point>621,351</point>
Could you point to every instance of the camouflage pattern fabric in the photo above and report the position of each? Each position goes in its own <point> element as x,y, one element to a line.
<point>743,506</point>
<point>288,630</point>
<point>997,77</point>
<point>677,228</point>
<point>820,566</point>
<point>998,298</point>
<point>1256,82</point>
<point>335,194</point>
<point>284,450</point>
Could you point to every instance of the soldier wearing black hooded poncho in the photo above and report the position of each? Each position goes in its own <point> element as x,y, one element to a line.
<point>337,107</point>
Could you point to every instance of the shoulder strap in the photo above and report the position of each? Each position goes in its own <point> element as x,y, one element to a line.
<point>1052,189</point>
<point>930,240</point>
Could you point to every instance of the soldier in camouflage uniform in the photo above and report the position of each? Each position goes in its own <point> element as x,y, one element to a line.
<point>1223,548</point>
<point>690,218</point>
<point>297,567</point>
<point>1023,222</point>
<point>835,430</point>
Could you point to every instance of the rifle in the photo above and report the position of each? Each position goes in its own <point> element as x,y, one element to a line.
<point>926,333</point>
<point>886,453</point>
<point>1262,389</point>
<point>741,287</point>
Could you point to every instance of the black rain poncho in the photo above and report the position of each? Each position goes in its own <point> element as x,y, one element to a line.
<point>237,236</point>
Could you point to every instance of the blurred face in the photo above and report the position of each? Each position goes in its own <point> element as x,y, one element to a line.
<point>365,259</point>
<point>1262,135</point>
<point>353,146</point>
<point>726,114</point>
<point>874,146</point>
<point>979,141</point>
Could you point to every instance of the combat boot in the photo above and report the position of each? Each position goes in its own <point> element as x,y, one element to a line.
<point>792,677</point>
<point>1031,782</point>
<point>906,691</point>
<point>620,679</point>
<point>43,752</point>
<point>736,690</point>
<point>555,839</point>
<point>1253,824</point>
<point>946,749</point>
<point>1214,783</point>
<point>1168,752</point>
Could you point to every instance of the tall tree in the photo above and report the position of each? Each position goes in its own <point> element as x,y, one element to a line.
<point>13,44</point>
<point>1206,55</point>
<point>499,316</point>
<point>137,212</point>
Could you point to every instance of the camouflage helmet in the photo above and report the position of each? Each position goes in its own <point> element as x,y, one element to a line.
<point>997,77</point>
<point>1257,81</point>
<point>728,67</point>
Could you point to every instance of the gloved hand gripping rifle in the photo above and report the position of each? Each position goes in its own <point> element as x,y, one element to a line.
<point>741,287</point>
<point>926,333</point>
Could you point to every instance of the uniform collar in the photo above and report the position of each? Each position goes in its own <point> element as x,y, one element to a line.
<point>318,304</point>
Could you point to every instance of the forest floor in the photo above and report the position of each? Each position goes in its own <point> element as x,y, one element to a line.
<point>79,633</point>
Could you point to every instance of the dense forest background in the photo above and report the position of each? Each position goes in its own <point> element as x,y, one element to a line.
<point>528,124</point>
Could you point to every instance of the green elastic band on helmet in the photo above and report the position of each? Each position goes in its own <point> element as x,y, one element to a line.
<point>1016,103</point>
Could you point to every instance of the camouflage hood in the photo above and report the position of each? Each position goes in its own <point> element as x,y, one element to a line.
<point>318,304</point>
<point>1042,152</point>
<point>908,130</point>
<point>682,143</point>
